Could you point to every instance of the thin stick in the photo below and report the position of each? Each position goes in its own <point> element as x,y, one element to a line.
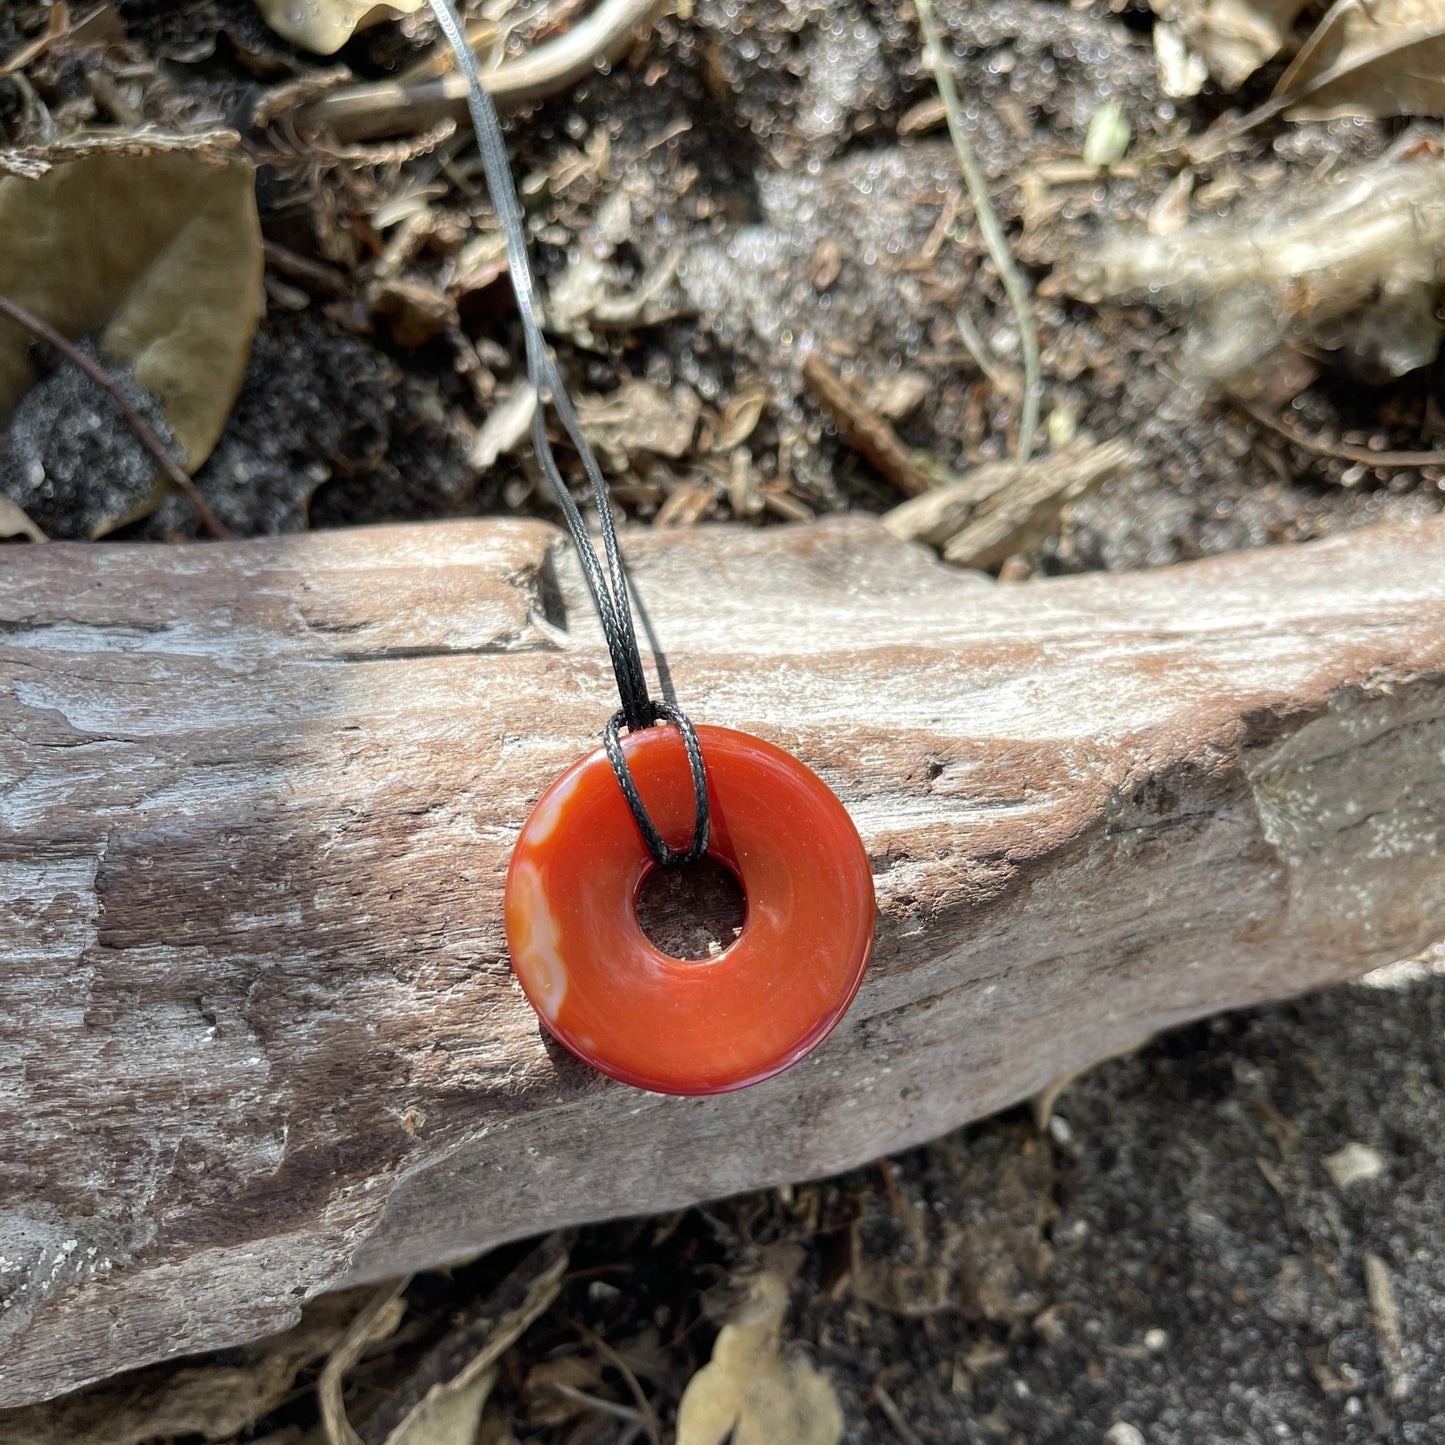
<point>1014,285</point>
<point>884,1401</point>
<point>647,1415</point>
<point>865,430</point>
<point>1340,451</point>
<point>972,338</point>
<point>137,423</point>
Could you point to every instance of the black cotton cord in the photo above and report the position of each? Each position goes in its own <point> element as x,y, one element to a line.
<point>608,585</point>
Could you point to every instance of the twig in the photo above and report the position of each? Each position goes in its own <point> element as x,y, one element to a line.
<point>1014,285</point>
<point>394,153</point>
<point>1340,451</point>
<point>972,338</point>
<point>885,1402</point>
<point>1381,1295</point>
<point>380,1317</point>
<point>58,26</point>
<point>1020,516</point>
<point>137,423</point>
<point>316,275</point>
<point>592,1402</point>
<point>363,111</point>
<point>865,430</point>
<point>1016,488</point>
<point>213,147</point>
<point>648,1415</point>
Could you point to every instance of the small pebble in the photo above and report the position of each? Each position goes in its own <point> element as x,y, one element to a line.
<point>1156,1340</point>
<point>1123,1433</point>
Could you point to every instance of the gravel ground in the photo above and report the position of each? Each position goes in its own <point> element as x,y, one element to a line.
<point>1185,1255</point>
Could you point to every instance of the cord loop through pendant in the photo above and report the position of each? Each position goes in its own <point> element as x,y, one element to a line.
<point>662,855</point>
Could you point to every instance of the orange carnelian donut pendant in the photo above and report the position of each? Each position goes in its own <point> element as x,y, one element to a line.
<point>666,1024</point>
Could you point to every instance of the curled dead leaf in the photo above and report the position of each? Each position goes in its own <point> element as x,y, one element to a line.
<point>324,26</point>
<point>156,256</point>
<point>748,1393</point>
<point>1379,59</point>
<point>1233,37</point>
<point>15,523</point>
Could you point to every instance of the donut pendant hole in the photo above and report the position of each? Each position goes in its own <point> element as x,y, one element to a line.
<point>692,911</point>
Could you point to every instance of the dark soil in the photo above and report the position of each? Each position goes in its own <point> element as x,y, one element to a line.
<point>759,150</point>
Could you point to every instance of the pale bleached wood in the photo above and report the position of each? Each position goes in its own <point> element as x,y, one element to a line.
<point>258,1036</point>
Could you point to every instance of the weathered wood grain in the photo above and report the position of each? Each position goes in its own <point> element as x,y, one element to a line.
<point>258,1036</point>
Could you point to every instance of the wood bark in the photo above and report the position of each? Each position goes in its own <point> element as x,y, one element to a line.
<point>258,1034</point>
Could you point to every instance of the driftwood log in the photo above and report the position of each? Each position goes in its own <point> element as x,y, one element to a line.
<point>258,1035</point>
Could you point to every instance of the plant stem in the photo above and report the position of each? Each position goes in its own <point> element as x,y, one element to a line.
<point>137,423</point>
<point>1015,286</point>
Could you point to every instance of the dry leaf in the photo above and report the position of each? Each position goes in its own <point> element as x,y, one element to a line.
<point>14,522</point>
<point>157,256</point>
<point>324,26</point>
<point>442,1394</point>
<point>1379,59</point>
<point>749,1394</point>
<point>1348,265</point>
<point>1233,37</point>
<point>639,417</point>
<point>451,1418</point>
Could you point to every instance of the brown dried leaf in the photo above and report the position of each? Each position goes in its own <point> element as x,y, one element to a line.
<point>324,26</point>
<point>1379,59</point>
<point>159,257</point>
<point>1234,37</point>
<point>749,1394</point>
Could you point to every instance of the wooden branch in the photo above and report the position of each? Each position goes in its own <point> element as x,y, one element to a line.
<point>258,1035</point>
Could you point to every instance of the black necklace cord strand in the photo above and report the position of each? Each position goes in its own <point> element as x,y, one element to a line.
<point>607,584</point>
